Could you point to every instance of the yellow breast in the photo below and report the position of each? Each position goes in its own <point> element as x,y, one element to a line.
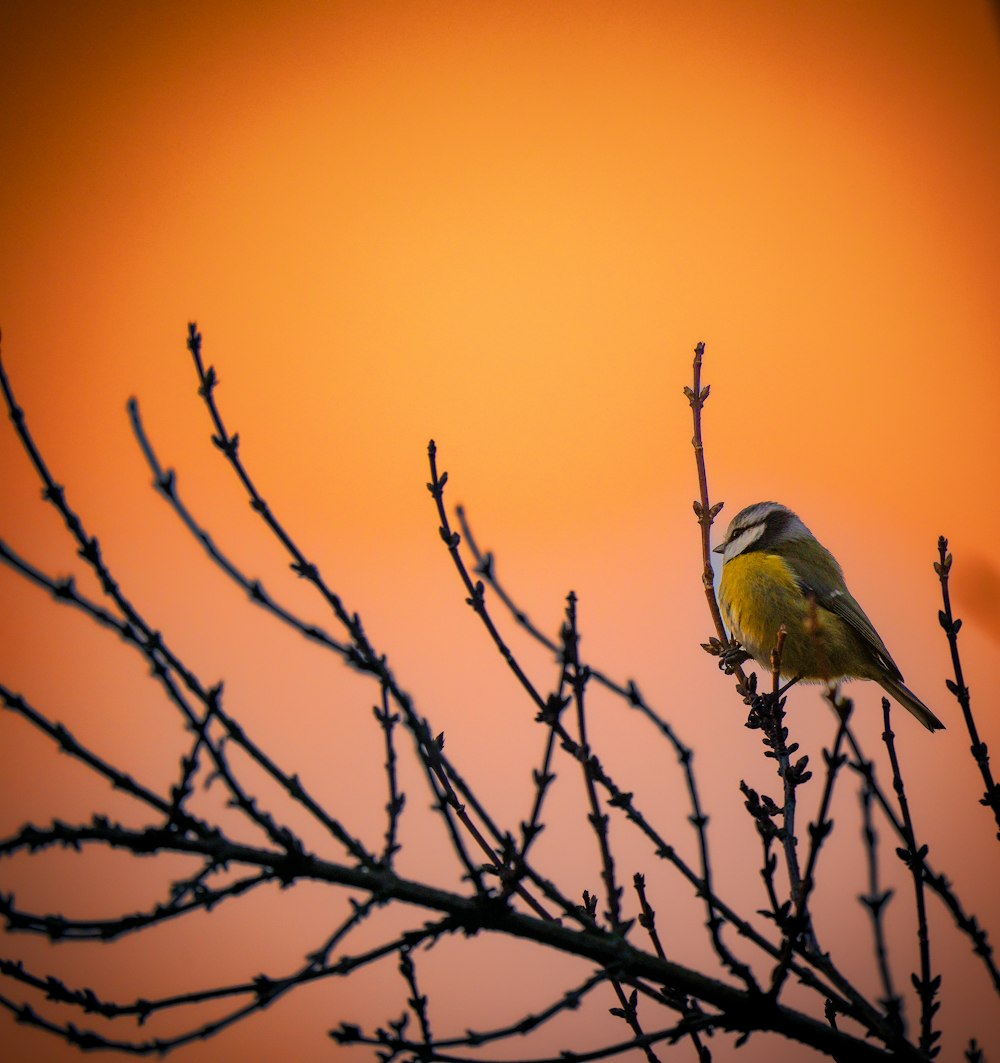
<point>758,594</point>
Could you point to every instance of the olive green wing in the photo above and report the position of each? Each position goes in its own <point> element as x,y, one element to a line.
<point>821,576</point>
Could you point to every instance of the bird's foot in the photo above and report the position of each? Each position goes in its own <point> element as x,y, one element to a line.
<point>732,656</point>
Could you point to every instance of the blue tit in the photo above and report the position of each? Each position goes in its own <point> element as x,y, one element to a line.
<point>773,569</point>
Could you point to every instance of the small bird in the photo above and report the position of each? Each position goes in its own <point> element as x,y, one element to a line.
<point>773,569</point>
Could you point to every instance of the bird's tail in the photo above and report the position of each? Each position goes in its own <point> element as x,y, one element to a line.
<point>911,702</point>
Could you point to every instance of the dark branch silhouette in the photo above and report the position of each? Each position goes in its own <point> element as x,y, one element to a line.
<point>499,883</point>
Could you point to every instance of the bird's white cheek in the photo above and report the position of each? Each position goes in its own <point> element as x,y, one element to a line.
<point>742,541</point>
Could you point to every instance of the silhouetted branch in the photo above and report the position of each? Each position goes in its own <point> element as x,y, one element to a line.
<point>952,626</point>
<point>926,984</point>
<point>494,879</point>
<point>485,566</point>
<point>876,900</point>
<point>968,924</point>
<point>704,510</point>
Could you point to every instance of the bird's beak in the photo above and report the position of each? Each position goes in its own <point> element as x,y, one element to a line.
<point>720,549</point>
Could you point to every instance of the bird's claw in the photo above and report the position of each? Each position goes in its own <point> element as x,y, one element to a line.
<point>732,657</point>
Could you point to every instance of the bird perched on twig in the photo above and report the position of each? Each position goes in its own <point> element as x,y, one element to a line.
<point>775,571</point>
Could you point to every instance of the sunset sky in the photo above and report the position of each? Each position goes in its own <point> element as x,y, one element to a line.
<point>504,226</point>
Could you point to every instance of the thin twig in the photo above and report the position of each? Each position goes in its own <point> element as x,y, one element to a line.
<point>394,806</point>
<point>597,818</point>
<point>979,750</point>
<point>800,931</point>
<point>938,882</point>
<point>486,567</point>
<point>704,510</point>
<point>925,983</point>
<point>876,901</point>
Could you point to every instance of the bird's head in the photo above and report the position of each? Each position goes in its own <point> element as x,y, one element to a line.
<point>762,526</point>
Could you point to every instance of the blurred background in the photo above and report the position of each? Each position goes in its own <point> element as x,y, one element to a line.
<point>503,226</point>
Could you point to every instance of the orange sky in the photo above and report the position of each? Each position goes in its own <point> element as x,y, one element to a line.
<point>503,226</point>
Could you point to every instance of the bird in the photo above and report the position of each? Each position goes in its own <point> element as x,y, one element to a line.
<point>773,570</point>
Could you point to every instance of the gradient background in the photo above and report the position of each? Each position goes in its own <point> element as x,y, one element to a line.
<point>504,226</point>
